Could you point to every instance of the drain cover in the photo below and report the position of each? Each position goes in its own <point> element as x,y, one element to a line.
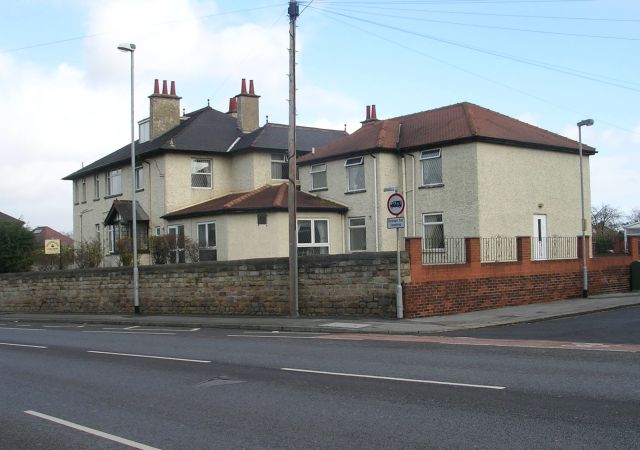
<point>219,381</point>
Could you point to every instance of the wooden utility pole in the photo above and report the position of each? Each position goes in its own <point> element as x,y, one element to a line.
<point>293,233</point>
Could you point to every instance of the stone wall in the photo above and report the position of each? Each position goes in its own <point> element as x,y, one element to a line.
<point>360,284</point>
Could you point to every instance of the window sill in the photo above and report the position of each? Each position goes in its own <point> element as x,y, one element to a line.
<point>319,189</point>
<point>75,203</point>
<point>202,188</point>
<point>96,199</point>
<point>140,190</point>
<point>112,196</point>
<point>431,186</point>
<point>359,191</point>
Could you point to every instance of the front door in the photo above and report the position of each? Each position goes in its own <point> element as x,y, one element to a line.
<point>539,244</point>
<point>176,254</point>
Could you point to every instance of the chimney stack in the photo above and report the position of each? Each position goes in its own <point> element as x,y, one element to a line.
<point>164,109</point>
<point>233,107</point>
<point>248,108</point>
<point>371,116</point>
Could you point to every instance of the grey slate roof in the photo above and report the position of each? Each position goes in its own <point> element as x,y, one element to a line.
<point>211,131</point>
<point>7,218</point>
<point>123,207</point>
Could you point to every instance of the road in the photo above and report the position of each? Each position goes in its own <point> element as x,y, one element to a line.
<point>108,387</point>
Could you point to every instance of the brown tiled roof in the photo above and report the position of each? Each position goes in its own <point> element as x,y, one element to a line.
<point>462,122</point>
<point>266,198</point>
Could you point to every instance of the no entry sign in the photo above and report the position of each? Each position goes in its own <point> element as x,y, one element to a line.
<point>395,204</point>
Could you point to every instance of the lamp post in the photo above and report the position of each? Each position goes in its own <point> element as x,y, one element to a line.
<point>130,48</point>
<point>585,274</point>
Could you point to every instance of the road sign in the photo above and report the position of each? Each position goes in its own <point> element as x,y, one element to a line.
<point>52,247</point>
<point>395,222</point>
<point>395,204</point>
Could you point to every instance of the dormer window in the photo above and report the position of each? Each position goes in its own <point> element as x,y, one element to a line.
<point>279,166</point>
<point>143,130</point>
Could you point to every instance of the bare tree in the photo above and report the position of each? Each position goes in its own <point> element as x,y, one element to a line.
<point>606,219</point>
<point>634,217</point>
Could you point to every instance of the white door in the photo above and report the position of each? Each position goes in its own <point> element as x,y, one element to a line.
<point>539,244</point>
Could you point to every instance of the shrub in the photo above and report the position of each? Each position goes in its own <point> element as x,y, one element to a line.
<point>125,251</point>
<point>160,247</point>
<point>16,247</point>
<point>88,254</point>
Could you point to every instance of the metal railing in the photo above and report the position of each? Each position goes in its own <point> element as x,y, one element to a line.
<point>498,249</point>
<point>444,251</point>
<point>555,247</point>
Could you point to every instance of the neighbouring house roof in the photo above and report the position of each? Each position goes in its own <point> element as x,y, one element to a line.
<point>264,199</point>
<point>45,233</point>
<point>632,229</point>
<point>210,131</point>
<point>7,218</point>
<point>449,125</point>
<point>122,209</point>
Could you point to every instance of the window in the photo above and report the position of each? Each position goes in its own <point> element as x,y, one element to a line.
<point>84,190</point>
<point>143,130</point>
<point>114,182</point>
<point>207,241</point>
<point>176,252</point>
<point>139,178</point>
<point>433,231</point>
<point>76,194</point>
<point>313,237</point>
<point>98,236</point>
<point>158,231</point>
<point>114,236</point>
<point>319,176</point>
<point>262,218</point>
<point>279,166</point>
<point>431,167</point>
<point>201,173</point>
<point>96,187</point>
<point>355,174</point>
<point>357,234</point>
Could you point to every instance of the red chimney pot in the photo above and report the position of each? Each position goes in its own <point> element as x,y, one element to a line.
<point>233,105</point>
<point>251,89</point>
<point>368,113</point>
<point>173,88</point>
<point>244,86</point>
<point>374,116</point>
<point>156,87</point>
<point>164,87</point>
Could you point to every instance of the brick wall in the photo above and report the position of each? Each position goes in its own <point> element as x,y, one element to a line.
<point>473,286</point>
<point>359,284</point>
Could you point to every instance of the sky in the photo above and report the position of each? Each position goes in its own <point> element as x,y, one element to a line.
<point>65,92</point>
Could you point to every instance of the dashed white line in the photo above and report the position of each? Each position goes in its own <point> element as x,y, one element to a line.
<point>95,432</point>
<point>124,332</point>
<point>22,345</point>
<point>411,380</point>
<point>150,356</point>
<point>22,329</point>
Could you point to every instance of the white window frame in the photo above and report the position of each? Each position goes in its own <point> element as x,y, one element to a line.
<point>282,160</point>
<point>425,224</point>
<point>357,227</point>
<point>179,253</point>
<point>316,170</point>
<point>355,162</point>
<point>76,193</point>
<point>110,182</point>
<point>209,174</point>
<point>313,243</point>
<point>96,187</point>
<point>98,234</point>
<point>139,177</point>
<point>425,156</point>
<point>83,183</point>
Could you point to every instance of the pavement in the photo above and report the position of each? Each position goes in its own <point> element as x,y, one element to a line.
<point>428,325</point>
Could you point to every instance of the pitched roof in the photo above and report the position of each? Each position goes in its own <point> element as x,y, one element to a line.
<point>212,131</point>
<point>462,122</point>
<point>44,233</point>
<point>7,218</point>
<point>266,198</point>
<point>123,208</point>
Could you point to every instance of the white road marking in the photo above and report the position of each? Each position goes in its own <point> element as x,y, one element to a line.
<point>22,329</point>
<point>282,332</point>
<point>346,325</point>
<point>22,345</point>
<point>98,433</point>
<point>60,326</point>
<point>162,329</point>
<point>123,332</point>
<point>411,380</point>
<point>271,336</point>
<point>131,327</point>
<point>150,356</point>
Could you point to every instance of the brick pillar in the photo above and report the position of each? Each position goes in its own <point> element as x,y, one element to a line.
<point>413,246</point>
<point>634,247</point>
<point>473,252</point>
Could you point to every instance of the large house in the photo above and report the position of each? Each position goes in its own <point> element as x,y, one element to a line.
<point>464,170</point>
<point>216,178</point>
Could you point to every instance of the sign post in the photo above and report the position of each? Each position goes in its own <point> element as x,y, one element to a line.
<point>395,205</point>
<point>52,247</point>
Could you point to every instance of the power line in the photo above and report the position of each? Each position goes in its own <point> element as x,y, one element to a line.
<point>493,27</point>
<point>552,67</point>
<point>102,33</point>
<point>477,75</point>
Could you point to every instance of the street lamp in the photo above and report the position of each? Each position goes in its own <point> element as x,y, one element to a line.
<point>585,274</point>
<point>130,48</point>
